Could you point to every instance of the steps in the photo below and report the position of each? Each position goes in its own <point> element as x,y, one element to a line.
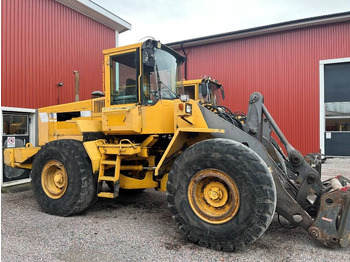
<point>114,179</point>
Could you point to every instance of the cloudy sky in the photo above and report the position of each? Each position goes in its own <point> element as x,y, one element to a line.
<point>175,20</point>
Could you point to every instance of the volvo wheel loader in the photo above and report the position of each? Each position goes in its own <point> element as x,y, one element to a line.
<point>225,177</point>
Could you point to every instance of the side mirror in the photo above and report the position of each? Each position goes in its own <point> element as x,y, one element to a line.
<point>203,87</point>
<point>148,57</point>
<point>222,92</point>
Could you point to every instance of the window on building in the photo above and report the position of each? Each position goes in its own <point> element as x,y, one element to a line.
<point>337,97</point>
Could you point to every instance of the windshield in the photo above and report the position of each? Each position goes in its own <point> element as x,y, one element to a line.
<point>161,76</point>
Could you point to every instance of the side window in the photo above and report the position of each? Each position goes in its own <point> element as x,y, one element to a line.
<point>149,88</point>
<point>189,90</point>
<point>124,79</point>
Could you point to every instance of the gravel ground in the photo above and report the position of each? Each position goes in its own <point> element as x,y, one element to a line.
<point>139,228</point>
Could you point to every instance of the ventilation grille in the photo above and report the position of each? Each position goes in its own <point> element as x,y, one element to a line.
<point>98,105</point>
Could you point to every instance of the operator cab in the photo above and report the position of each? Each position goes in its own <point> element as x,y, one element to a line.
<point>142,74</point>
<point>136,77</point>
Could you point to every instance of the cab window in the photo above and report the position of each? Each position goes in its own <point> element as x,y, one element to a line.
<point>124,71</point>
<point>189,90</point>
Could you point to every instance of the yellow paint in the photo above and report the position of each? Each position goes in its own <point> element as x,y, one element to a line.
<point>158,119</point>
<point>54,179</point>
<point>214,196</point>
<point>179,139</point>
<point>120,149</point>
<point>50,128</point>
<point>121,120</point>
<point>94,153</point>
<point>163,183</point>
<point>133,183</point>
<point>184,120</point>
<point>150,141</point>
<point>15,157</point>
<point>89,125</point>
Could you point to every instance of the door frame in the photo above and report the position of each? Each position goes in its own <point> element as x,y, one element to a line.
<point>322,111</point>
<point>33,136</point>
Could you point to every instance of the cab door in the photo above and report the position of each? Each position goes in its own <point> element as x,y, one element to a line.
<point>122,114</point>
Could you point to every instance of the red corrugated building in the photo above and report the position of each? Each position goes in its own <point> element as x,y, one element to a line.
<point>43,41</point>
<point>284,63</point>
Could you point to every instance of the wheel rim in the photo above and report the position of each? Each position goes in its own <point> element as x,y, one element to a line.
<point>54,179</point>
<point>214,196</point>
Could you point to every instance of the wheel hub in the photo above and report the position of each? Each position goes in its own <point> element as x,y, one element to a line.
<point>213,196</point>
<point>58,179</point>
<point>54,179</point>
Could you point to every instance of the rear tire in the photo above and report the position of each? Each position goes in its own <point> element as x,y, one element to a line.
<point>62,178</point>
<point>221,194</point>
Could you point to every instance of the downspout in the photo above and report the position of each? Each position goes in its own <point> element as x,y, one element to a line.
<point>185,65</point>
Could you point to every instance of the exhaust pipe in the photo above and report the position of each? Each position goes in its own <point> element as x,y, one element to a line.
<point>76,83</point>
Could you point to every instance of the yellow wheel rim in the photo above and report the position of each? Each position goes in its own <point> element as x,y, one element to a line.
<point>214,196</point>
<point>54,179</point>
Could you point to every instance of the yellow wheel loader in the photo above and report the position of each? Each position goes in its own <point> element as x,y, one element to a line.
<point>225,178</point>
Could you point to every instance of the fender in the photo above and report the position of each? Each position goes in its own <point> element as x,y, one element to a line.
<point>179,139</point>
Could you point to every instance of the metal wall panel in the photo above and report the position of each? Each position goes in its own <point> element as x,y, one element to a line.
<point>42,43</point>
<point>283,66</point>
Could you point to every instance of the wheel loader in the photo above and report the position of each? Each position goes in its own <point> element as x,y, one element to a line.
<point>225,178</point>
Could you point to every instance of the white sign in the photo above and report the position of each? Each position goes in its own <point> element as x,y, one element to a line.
<point>328,135</point>
<point>44,118</point>
<point>11,141</point>
<point>85,113</point>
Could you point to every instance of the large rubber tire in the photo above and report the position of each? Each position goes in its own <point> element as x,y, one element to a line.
<point>62,178</point>
<point>209,164</point>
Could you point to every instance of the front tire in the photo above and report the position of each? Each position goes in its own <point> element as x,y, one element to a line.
<point>62,178</point>
<point>221,194</point>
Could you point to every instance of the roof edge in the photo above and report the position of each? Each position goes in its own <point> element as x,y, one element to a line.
<point>261,30</point>
<point>97,13</point>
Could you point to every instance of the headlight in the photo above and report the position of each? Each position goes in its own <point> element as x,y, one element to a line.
<point>188,108</point>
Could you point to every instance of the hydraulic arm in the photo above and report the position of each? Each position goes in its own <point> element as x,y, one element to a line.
<point>322,208</point>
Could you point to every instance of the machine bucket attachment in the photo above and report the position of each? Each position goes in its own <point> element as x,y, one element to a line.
<point>332,224</point>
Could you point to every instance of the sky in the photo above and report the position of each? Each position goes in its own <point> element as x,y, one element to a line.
<point>176,20</point>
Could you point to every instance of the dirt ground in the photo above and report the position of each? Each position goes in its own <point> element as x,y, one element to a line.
<point>139,228</point>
